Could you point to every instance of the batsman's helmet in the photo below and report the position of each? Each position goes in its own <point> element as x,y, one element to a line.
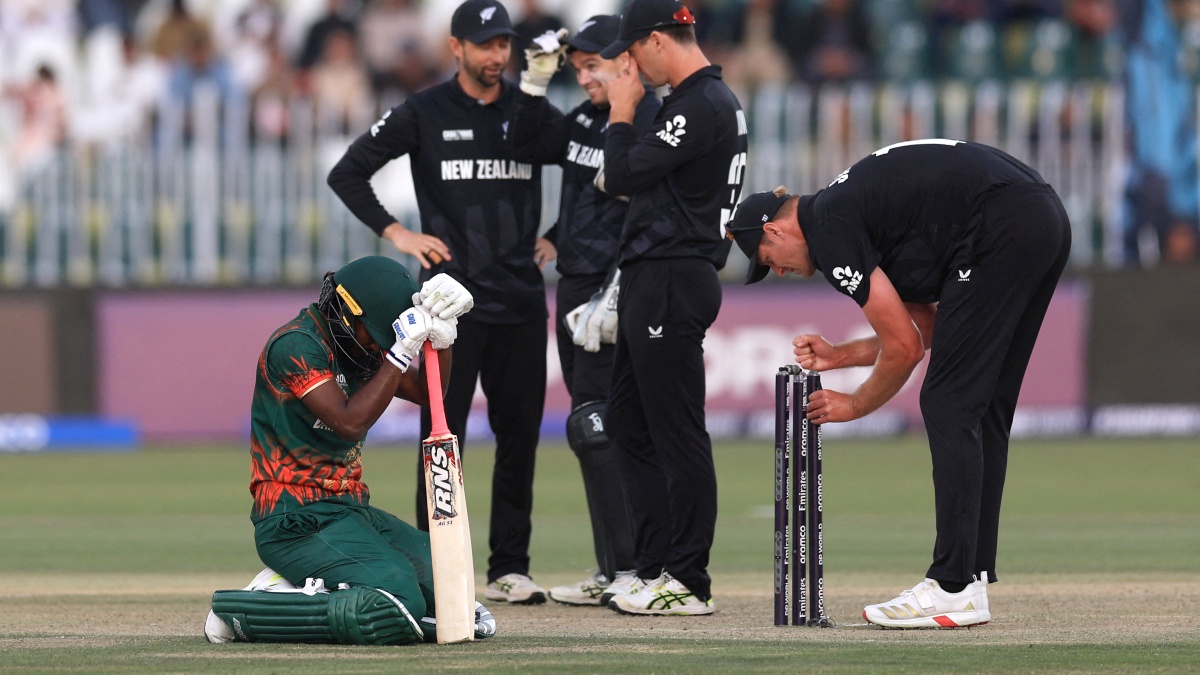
<point>374,290</point>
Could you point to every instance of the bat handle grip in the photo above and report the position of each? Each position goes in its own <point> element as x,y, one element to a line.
<point>433,376</point>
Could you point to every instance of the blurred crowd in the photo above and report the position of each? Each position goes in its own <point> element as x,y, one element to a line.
<point>98,71</point>
<point>95,69</point>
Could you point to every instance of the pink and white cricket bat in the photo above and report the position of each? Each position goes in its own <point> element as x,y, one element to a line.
<point>449,529</point>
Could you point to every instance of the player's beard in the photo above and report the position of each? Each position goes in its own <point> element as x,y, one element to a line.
<point>478,72</point>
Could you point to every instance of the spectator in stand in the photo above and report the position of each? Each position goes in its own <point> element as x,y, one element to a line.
<point>1161,190</point>
<point>42,120</point>
<point>125,84</point>
<point>395,47</point>
<point>944,18</point>
<point>758,53</point>
<point>834,43</point>
<point>1092,23</point>
<point>341,89</point>
<point>534,22</point>
<point>251,40</point>
<point>200,66</point>
<point>179,34</point>
<point>272,98</point>
<point>340,15</point>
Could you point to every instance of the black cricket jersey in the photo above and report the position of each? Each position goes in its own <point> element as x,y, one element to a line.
<point>470,191</point>
<point>684,174</point>
<point>588,231</point>
<point>910,209</point>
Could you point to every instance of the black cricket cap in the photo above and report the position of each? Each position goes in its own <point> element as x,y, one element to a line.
<point>480,21</point>
<point>595,34</point>
<point>746,227</point>
<point>643,17</point>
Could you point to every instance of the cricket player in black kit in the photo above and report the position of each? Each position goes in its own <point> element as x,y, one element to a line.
<point>948,246</point>
<point>684,176</point>
<point>586,235</point>
<point>480,211</point>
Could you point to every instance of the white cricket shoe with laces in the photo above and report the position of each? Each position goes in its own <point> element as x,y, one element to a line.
<point>516,589</point>
<point>926,605</point>
<point>586,592</point>
<point>665,596</point>
<point>626,583</point>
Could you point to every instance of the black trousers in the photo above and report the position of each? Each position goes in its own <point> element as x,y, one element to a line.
<point>588,376</point>
<point>986,325</point>
<point>509,361</point>
<point>656,415</point>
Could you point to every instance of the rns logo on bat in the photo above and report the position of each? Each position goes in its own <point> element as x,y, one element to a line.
<point>441,487</point>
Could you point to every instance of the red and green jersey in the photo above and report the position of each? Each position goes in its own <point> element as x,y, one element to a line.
<point>295,459</point>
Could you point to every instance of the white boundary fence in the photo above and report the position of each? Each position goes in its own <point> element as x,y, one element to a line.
<point>198,201</point>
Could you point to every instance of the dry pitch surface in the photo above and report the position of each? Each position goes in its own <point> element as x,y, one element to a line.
<point>106,611</point>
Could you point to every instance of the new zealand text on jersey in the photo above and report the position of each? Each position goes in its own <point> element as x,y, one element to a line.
<point>485,169</point>
<point>584,155</point>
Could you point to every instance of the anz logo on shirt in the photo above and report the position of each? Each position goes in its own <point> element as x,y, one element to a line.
<point>674,131</point>
<point>848,277</point>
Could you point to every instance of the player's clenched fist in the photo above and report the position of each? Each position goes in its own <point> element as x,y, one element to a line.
<point>444,297</point>
<point>814,352</point>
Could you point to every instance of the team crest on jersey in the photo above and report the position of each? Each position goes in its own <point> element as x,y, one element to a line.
<point>674,131</point>
<point>849,278</point>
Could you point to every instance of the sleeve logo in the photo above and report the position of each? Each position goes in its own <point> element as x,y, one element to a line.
<point>849,278</point>
<point>379,125</point>
<point>674,130</point>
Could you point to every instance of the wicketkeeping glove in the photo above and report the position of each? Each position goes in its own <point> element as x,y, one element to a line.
<point>543,58</point>
<point>575,317</point>
<point>444,297</point>
<point>443,332</point>
<point>601,324</point>
<point>412,328</point>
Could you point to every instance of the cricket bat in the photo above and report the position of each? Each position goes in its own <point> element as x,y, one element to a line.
<point>449,529</point>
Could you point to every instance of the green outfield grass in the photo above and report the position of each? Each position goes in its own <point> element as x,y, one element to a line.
<point>107,561</point>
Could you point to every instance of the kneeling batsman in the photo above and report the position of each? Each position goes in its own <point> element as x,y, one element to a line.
<point>339,570</point>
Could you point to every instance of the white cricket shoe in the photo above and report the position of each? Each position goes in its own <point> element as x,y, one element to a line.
<point>926,605</point>
<point>517,589</point>
<point>217,631</point>
<point>626,583</point>
<point>586,592</point>
<point>665,596</point>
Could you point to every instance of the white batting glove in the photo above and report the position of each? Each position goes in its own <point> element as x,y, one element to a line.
<point>412,328</point>
<point>444,297</point>
<point>542,60</point>
<point>443,332</point>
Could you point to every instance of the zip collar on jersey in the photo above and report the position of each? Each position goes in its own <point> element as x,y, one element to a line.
<point>694,79</point>
<point>464,99</point>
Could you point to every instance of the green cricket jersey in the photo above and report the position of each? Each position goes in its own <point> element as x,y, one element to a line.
<point>295,459</point>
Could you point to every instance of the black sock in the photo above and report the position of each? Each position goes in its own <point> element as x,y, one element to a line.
<point>951,586</point>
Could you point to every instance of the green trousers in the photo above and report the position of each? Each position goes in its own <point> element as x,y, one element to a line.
<point>359,546</point>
